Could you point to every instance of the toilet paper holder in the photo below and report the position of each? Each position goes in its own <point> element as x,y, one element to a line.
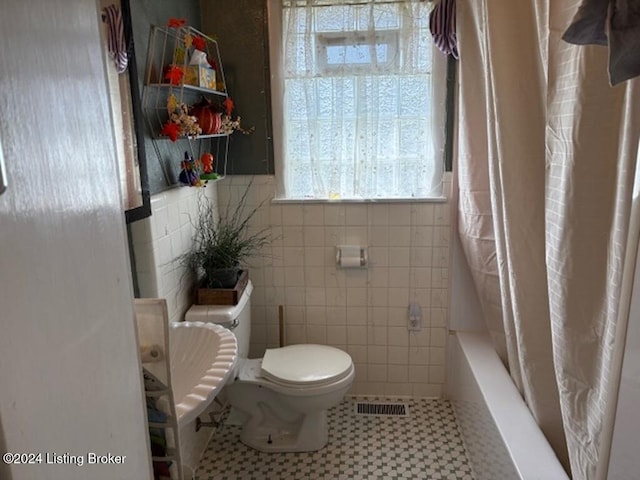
<point>351,256</point>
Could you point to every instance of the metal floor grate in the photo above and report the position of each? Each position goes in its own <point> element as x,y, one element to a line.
<point>382,409</point>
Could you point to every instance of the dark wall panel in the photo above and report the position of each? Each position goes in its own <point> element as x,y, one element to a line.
<point>241,30</point>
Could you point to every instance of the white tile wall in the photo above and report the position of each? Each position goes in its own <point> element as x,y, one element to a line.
<point>160,240</point>
<point>363,311</point>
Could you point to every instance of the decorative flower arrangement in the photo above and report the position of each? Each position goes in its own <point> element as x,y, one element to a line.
<point>202,118</point>
<point>205,117</point>
<point>180,123</point>
<point>228,126</point>
<point>216,118</point>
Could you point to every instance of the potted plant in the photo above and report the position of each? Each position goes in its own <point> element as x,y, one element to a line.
<point>222,246</point>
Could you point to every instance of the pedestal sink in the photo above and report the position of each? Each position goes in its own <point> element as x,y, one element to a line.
<point>203,357</point>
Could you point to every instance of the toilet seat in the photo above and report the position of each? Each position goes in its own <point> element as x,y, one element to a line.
<point>305,365</point>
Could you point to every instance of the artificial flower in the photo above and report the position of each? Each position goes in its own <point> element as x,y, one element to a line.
<point>172,103</point>
<point>174,75</point>
<point>176,22</point>
<point>188,40</point>
<point>229,125</point>
<point>171,130</point>
<point>187,124</point>
<point>199,43</point>
<point>228,105</point>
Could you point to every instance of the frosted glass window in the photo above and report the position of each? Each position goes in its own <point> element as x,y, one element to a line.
<point>359,101</point>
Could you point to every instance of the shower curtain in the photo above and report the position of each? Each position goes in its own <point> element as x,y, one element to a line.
<point>546,158</point>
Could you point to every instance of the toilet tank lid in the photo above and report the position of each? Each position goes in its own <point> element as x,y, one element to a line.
<point>221,314</point>
<point>305,364</point>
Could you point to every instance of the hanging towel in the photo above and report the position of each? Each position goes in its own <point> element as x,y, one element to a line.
<point>442,24</point>
<point>622,17</point>
<point>117,44</point>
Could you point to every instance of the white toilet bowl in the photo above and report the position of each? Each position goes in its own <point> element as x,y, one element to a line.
<point>285,396</point>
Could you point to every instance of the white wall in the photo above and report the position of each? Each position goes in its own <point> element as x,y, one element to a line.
<point>70,380</point>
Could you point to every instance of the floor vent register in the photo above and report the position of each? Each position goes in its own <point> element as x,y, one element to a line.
<point>382,409</point>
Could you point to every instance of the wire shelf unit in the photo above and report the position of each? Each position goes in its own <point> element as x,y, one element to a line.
<point>173,48</point>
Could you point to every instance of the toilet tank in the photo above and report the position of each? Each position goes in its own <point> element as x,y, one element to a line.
<point>237,318</point>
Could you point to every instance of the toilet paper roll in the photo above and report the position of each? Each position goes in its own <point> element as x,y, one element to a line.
<point>151,353</point>
<point>350,256</point>
<point>350,262</point>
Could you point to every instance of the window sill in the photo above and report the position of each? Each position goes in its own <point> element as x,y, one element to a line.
<point>441,199</point>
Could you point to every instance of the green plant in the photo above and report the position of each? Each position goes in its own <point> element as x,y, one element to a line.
<point>225,244</point>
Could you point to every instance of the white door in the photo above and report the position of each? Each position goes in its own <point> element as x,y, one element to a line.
<point>70,387</point>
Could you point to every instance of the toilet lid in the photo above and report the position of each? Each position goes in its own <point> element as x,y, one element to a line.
<point>305,364</point>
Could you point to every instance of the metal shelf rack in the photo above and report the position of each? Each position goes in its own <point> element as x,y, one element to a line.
<point>174,47</point>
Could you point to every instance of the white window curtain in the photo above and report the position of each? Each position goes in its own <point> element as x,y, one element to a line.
<point>362,115</point>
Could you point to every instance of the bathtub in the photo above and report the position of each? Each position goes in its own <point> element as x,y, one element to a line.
<point>500,434</point>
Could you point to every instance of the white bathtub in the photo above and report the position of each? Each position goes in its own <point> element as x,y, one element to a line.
<point>500,434</point>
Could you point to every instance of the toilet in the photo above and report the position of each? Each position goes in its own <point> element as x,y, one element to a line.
<point>284,396</point>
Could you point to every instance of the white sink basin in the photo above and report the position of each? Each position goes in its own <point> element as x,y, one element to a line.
<point>203,357</point>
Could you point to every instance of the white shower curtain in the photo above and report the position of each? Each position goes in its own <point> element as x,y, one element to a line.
<point>502,144</point>
<point>545,161</point>
<point>593,133</point>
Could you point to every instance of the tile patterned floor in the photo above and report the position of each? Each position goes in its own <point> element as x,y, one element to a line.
<point>425,445</point>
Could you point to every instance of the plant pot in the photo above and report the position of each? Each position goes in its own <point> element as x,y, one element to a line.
<point>223,277</point>
<point>224,296</point>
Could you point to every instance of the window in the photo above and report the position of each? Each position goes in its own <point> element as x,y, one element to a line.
<point>339,51</point>
<point>361,117</point>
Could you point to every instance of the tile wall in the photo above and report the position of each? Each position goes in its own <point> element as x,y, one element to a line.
<point>161,239</point>
<point>363,311</point>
